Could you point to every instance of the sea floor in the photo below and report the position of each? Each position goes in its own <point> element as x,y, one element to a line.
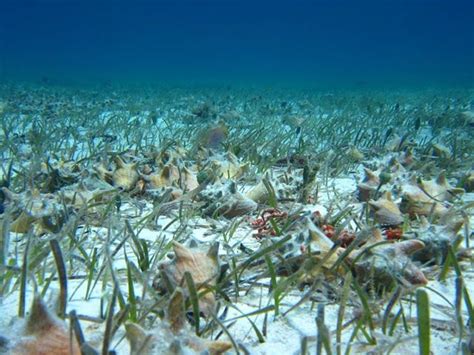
<point>291,221</point>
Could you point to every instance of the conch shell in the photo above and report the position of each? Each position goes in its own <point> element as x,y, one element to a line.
<point>385,264</point>
<point>386,212</point>
<point>368,186</point>
<point>170,175</point>
<point>203,267</point>
<point>224,200</point>
<point>172,335</point>
<point>125,177</point>
<point>227,166</point>
<point>426,197</point>
<point>37,210</point>
<point>440,189</point>
<point>438,239</point>
<point>43,333</point>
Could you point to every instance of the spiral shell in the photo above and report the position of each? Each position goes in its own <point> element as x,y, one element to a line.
<point>125,177</point>
<point>44,334</point>
<point>386,212</point>
<point>203,267</point>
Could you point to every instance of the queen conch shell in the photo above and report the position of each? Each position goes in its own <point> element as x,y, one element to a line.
<point>227,166</point>
<point>415,202</point>
<point>171,176</point>
<point>43,333</point>
<point>89,190</point>
<point>440,189</point>
<point>172,335</point>
<point>203,267</point>
<point>368,186</point>
<point>380,264</point>
<point>37,210</point>
<point>386,212</point>
<point>428,197</point>
<point>125,177</point>
<point>258,193</point>
<point>223,199</point>
<point>386,264</point>
<point>437,239</point>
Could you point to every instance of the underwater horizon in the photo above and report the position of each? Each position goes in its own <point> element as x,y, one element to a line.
<point>326,44</point>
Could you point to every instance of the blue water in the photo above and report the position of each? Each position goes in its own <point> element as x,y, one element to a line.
<point>320,43</point>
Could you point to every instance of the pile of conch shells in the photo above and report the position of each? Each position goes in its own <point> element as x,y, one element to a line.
<point>377,262</point>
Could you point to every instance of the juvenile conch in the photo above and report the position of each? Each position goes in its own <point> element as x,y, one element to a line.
<point>172,334</point>
<point>386,212</point>
<point>202,266</point>
<point>368,186</point>
<point>43,333</point>
<point>125,176</point>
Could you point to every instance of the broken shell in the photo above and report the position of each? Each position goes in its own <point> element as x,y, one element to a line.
<point>125,177</point>
<point>203,267</point>
<point>44,333</point>
<point>386,212</point>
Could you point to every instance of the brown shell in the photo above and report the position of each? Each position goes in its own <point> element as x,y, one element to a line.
<point>203,267</point>
<point>37,210</point>
<point>439,188</point>
<point>236,205</point>
<point>173,334</point>
<point>415,202</point>
<point>125,176</point>
<point>386,212</point>
<point>368,186</point>
<point>386,264</point>
<point>44,334</point>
